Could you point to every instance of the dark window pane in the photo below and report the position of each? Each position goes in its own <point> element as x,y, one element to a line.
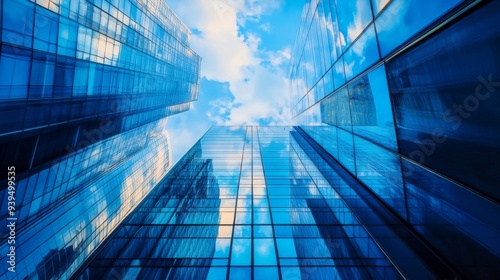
<point>64,75</point>
<point>15,69</point>
<point>463,226</point>
<point>42,76</point>
<point>446,100</point>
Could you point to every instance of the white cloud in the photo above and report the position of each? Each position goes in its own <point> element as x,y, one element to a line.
<point>266,27</point>
<point>257,79</point>
<point>280,57</point>
<point>359,22</point>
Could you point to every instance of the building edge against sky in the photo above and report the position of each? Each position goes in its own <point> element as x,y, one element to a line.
<point>85,90</point>
<point>405,96</point>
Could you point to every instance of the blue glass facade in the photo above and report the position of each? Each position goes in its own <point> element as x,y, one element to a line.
<point>71,67</point>
<point>85,90</point>
<point>390,173</point>
<point>263,203</point>
<point>403,95</point>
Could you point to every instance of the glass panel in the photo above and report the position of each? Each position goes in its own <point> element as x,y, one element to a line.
<point>18,22</point>
<point>237,273</point>
<point>264,252</point>
<point>381,173</point>
<point>371,108</point>
<point>46,24</point>
<point>353,16</point>
<point>81,78</point>
<point>241,252</point>
<point>404,18</point>
<point>447,214</point>
<point>362,54</point>
<point>446,101</point>
<point>339,73</point>
<point>65,68</point>
<point>266,273</point>
<point>15,69</point>
<point>42,76</point>
<point>378,5</point>
<point>66,43</point>
<point>344,136</point>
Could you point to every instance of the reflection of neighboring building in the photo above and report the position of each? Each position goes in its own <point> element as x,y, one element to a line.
<point>364,112</point>
<point>337,112</point>
<point>164,236</point>
<point>85,90</point>
<point>48,268</point>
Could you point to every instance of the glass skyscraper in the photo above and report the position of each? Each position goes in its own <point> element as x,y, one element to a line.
<point>264,203</point>
<point>404,95</point>
<point>85,90</point>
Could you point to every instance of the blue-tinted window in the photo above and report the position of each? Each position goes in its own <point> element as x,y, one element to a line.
<point>381,173</point>
<point>81,78</point>
<point>18,23</point>
<point>240,273</point>
<point>446,101</point>
<point>64,75</point>
<point>378,5</point>
<point>94,85</point>
<point>15,69</point>
<point>66,43</point>
<point>353,17</point>
<point>266,273</point>
<point>362,54</point>
<point>241,252</point>
<point>344,136</point>
<point>371,108</point>
<point>447,214</point>
<point>46,24</point>
<point>42,76</point>
<point>404,18</point>
<point>338,73</point>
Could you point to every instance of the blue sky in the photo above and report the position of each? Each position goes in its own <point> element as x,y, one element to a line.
<point>245,47</point>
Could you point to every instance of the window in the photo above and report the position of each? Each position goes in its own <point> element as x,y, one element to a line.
<point>15,68</point>
<point>64,73</point>
<point>42,75</point>
<point>68,32</point>
<point>46,33</point>
<point>404,18</point>
<point>18,23</point>
<point>446,100</point>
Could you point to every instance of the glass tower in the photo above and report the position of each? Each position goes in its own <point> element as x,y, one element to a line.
<point>264,203</point>
<point>85,90</point>
<point>404,95</point>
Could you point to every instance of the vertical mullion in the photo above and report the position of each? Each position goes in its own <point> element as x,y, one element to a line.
<point>236,204</point>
